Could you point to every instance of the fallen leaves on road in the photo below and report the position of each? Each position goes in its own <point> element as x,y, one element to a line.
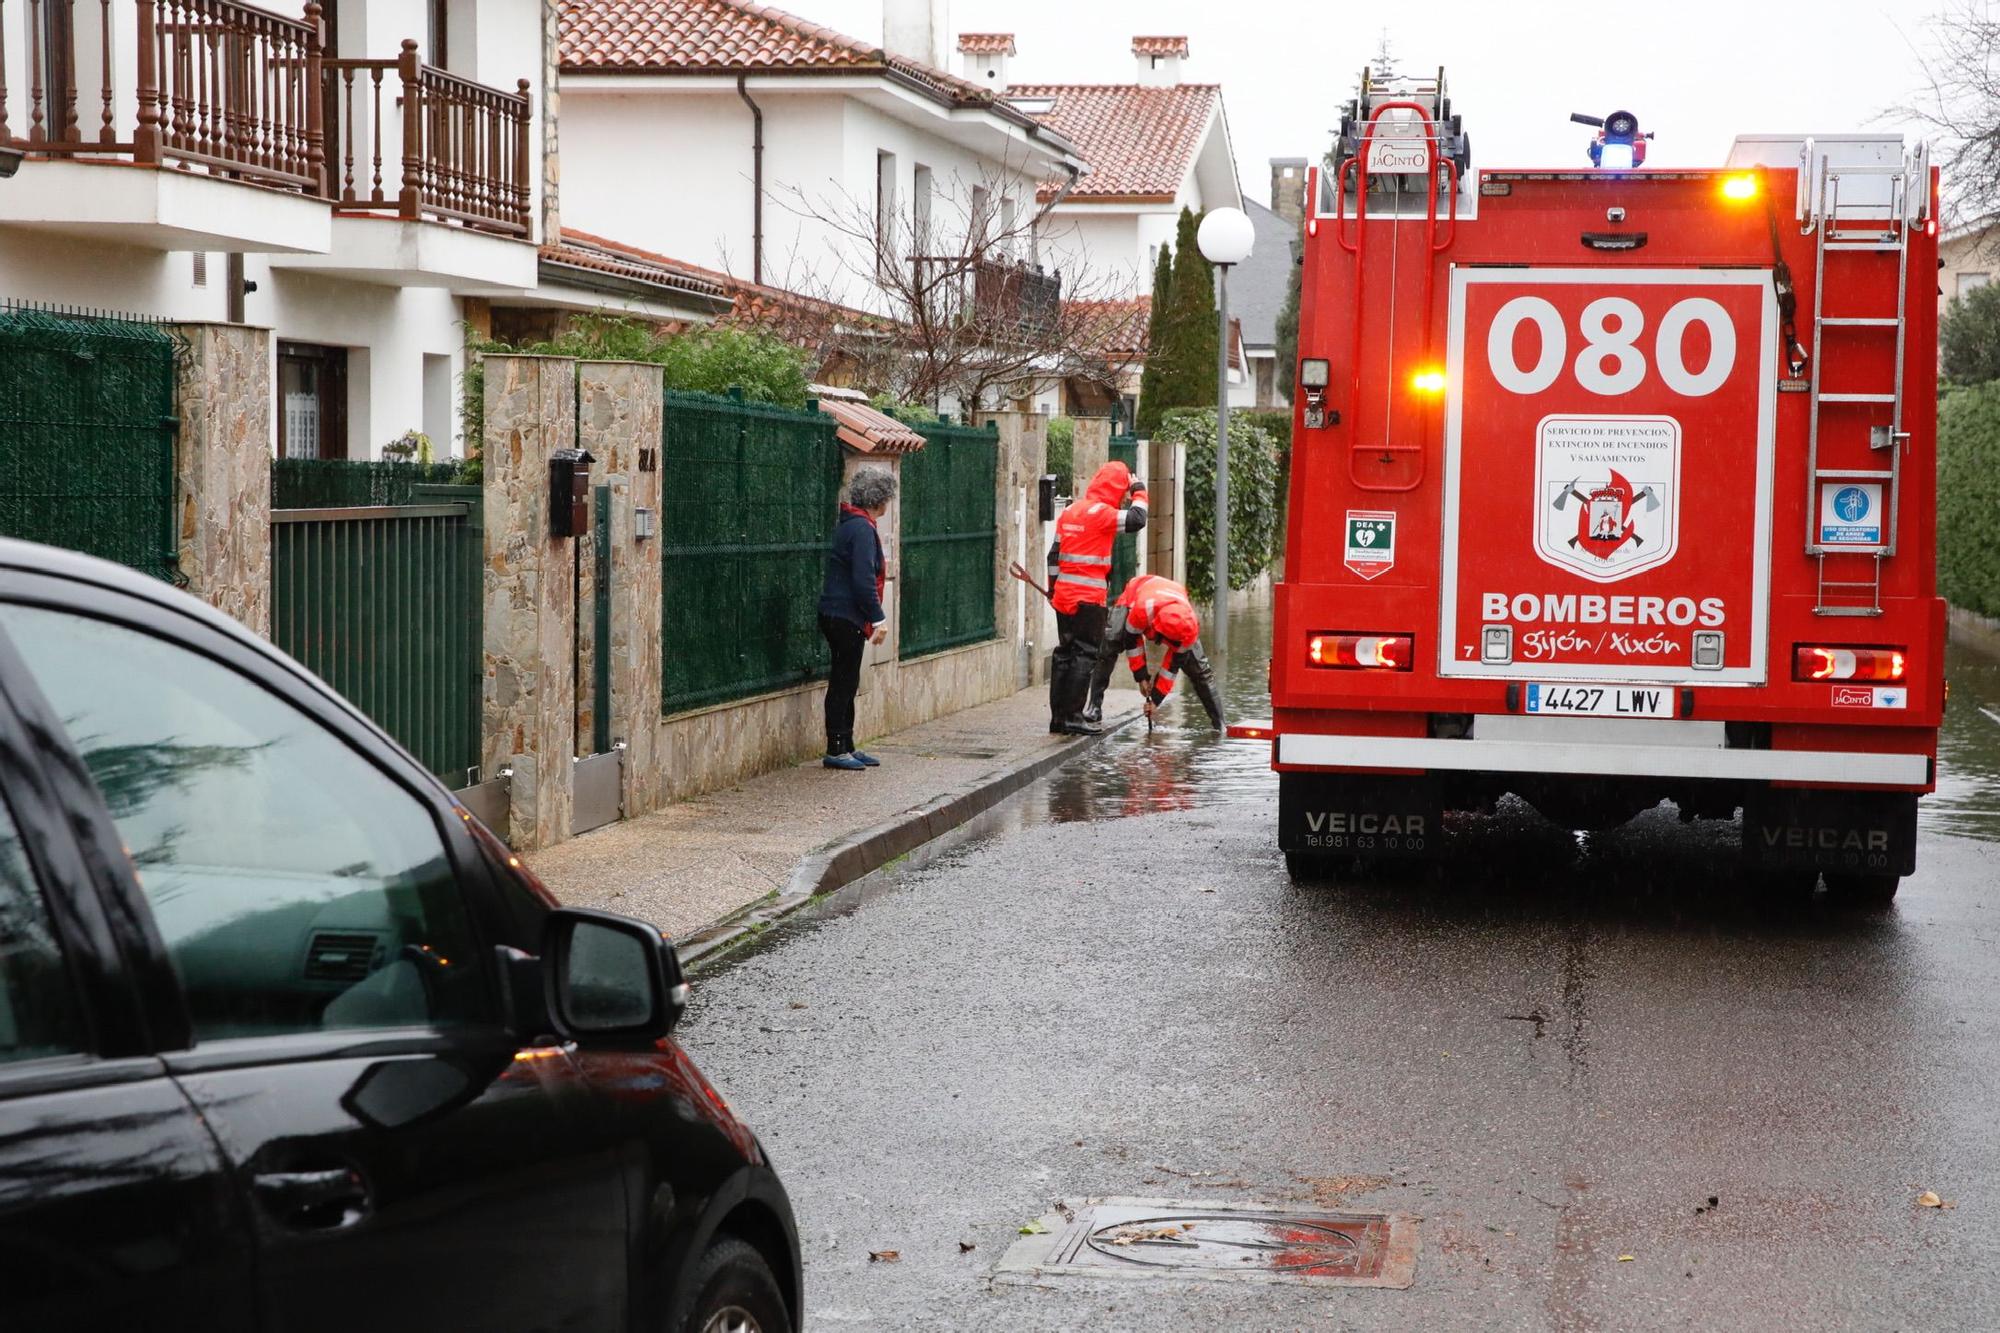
<point>966,1247</point>
<point>1138,1235</point>
<point>1034,1229</point>
<point>1626,1258</point>
<point>884,1256</point>
<point>1930,1199</point>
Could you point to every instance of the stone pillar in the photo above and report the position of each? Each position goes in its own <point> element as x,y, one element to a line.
<point>530,701</point>
<point>619,423</point>
<point>1092,449</point>
<point>222,462</point>
<point>1163,520</point>
<point>1020,614</point>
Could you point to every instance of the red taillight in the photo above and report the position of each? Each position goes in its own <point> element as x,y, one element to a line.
<point>1362,652</point>
<point>1814,661</point>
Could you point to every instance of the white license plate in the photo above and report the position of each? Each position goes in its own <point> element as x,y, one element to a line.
<point>1601,700</point>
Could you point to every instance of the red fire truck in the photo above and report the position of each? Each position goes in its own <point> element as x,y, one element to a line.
<point>1611,486</point>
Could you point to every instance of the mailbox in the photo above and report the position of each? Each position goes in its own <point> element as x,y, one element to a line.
<point>1046,489</point>
<point>569,492</point>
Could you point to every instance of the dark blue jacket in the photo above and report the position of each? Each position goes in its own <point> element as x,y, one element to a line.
<point>852,567</point>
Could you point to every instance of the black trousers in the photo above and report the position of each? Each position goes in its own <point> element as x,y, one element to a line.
<point>847,639</point>
<point>1078,636</point>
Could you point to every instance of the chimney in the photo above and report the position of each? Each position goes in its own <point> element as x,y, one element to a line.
<point>1159,60</point>
<point>1288,190</point>
<point>915,30</point>
<point>984,57</point>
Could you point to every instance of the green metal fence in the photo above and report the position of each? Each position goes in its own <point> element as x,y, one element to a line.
<point>750,494</point>
<point>385,603</point>
<point>87,435</point>
<point>1125,560</point>
<point>332,483</point>
<point>948,511</point>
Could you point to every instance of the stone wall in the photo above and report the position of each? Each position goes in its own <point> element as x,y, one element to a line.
<point>535,638</point>
<point>1092,449</point>
<point>222,461</point>
<point>620,421</point>
<point>529,699</point>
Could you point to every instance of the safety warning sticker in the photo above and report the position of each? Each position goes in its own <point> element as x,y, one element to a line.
<point>1371,541</point>
<point>1850,514</point>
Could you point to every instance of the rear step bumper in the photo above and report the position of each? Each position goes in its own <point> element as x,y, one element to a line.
<point>1833,767</point>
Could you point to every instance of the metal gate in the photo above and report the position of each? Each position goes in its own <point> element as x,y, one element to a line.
<point>948,507</point>
<point>385,603</point>
<point>87,435</point>
<point>1125,548</point>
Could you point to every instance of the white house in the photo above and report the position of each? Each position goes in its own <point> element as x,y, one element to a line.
<point>745,140</point>
<point>1154,146</point>
<point>217,161</point>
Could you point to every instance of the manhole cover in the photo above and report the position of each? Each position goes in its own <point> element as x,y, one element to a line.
<point>1248,1242</point>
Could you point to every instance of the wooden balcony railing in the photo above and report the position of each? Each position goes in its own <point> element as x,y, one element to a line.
<point>1002,296</point>
<point>228,89</point>
<point>439,147</point>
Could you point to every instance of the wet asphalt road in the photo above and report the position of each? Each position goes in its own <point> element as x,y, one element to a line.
<point>1553,1050</point>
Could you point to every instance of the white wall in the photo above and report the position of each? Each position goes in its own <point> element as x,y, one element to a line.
<point>692,196</point>
<point>388,330</point>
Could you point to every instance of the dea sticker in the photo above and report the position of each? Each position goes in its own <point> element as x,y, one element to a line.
<point>1371,541</point>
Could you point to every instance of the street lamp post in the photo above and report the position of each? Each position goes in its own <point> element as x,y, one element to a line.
<point>1225,238</point>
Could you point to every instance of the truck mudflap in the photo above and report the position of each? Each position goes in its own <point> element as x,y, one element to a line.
<point>1371,817</point>
<point>1868,833</point>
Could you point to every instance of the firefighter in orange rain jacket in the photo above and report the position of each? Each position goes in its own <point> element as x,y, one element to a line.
<point>1079,586</point>
<point>1158,610</point>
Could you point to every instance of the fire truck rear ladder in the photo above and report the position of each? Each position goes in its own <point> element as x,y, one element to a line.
<point>1870,228</point>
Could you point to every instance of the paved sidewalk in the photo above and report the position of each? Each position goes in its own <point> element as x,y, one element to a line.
<point>810,829</point>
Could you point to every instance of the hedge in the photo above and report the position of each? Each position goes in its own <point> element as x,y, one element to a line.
<point>1969,498</point>
<point>1253,497</point>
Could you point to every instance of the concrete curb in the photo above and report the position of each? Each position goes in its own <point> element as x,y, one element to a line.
<point>842,862</point>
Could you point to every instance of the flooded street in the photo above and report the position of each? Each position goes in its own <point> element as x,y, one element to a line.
<point>1617,1093</point>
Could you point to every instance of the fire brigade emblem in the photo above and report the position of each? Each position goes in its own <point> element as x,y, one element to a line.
<point>1608,492</point>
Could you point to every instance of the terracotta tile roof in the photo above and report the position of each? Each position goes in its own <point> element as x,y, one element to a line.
<point>698,34</point>
<point>1160,46</point>
<point>863,429</point>
<point>1139,142</point>
<point>581,250</point>
<point>1117,329</point>
<point>733,36</point>
<point>986,43</point>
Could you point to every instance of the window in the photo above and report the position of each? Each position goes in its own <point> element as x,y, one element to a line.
<point>885,217</point>
<point>312,401</point>
<point>981,221</point>
<point>1007,237</point>
<point>37,1009</point>
<point>438,50</point>
<point>920,211</point>
<point>297,887</point>
<point>1969,283</point>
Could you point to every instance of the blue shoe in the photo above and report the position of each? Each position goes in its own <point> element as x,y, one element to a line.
<point>867,760</point>
<point>852,763</point>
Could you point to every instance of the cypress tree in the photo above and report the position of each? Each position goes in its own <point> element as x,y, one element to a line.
<point>1189,342</point>
<point>1288,329</point>
<point>1150,407</point>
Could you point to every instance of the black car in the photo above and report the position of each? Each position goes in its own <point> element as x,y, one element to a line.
<point>288,1040</point>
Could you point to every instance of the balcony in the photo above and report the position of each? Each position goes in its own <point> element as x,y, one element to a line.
<point>207,97</point>
<point>1002,298</point>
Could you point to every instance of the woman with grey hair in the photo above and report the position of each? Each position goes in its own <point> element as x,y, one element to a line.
<point>850,608</point>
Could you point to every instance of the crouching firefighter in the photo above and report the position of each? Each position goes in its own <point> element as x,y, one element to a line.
<point>1155,609</point>
<point>1079,586</point>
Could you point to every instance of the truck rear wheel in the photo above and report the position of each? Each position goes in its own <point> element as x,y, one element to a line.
<point>1863,890</point>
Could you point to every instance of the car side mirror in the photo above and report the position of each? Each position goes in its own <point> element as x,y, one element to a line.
<point>610,979</point>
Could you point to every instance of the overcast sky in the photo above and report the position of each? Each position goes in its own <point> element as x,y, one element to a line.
<point>1698,72</point>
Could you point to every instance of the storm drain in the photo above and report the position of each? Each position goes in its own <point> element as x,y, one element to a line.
<point>1155,1238</point>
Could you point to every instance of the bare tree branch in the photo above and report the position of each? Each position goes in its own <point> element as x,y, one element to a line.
<point>1961,64</point>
